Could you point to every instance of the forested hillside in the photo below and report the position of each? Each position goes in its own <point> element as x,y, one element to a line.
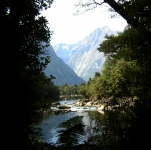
<point>61,72</point>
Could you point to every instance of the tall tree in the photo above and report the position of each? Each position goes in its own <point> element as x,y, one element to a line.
<point>24,37</point>
<point>134,46</point>
<point>135,12</point>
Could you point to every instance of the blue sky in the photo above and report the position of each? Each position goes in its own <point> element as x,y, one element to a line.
<point>69,28</point>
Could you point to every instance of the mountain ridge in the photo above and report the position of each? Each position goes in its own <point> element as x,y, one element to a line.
<point>83,56</point>
<point>60,70</point>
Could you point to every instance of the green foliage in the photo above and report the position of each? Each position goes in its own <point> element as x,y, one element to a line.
<point>71,133</point>
<point>122,80</point>
<point>83,91</point>
<point>24,41</point>
<point>69,90</point>
<point>125,81</point>
<point>97,74</point>
<point>126,74</point>
<point>51,91</point>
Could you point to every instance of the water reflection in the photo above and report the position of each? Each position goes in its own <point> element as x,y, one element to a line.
<point>79,127</point>
<point>50,127</point>
<point>71,133</point>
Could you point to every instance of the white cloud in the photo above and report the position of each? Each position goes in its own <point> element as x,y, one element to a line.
<point>70,28</point>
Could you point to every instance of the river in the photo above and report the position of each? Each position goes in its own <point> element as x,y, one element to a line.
<point>50,125</point>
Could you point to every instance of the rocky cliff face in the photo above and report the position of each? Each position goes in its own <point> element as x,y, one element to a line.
<point>83,57</point>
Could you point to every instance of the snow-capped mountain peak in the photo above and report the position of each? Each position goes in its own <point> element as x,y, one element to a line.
<point>83,57</point>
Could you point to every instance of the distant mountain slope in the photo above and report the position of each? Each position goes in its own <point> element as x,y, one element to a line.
<point>62,72</point>
<point>83,57</point>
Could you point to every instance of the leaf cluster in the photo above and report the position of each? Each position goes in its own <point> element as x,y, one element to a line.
<point>24,39</point>
<point>125,82</point>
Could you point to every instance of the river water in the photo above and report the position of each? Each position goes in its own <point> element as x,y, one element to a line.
<point>50,124</point>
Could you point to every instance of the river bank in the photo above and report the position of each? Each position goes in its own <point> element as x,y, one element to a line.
<point>77,105</point>
<point>69,97</point>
